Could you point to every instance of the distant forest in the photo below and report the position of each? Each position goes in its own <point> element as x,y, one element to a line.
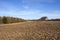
<point>7,20</point>
<point>45,19</point>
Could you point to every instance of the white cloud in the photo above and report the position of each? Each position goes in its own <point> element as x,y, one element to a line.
<point>54,14</point>
<point>22,12</point>
<point>12,10</point>
<point>25,7</point>
<point>28,12</point>
<point>32,14</point>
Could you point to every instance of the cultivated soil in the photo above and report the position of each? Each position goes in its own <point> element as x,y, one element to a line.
<point>31,30</point>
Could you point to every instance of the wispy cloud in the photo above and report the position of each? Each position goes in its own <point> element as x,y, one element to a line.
<point>25,6</point>
<point>8,9</point>
<point>31,14</point>
<point>32,1</point>
<point>53,14</point>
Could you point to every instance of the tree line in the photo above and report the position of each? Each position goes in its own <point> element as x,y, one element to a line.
<point>44,18</point>
<point>7,20</point>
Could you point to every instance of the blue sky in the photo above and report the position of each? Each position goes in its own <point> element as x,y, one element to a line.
<point>30,9</point>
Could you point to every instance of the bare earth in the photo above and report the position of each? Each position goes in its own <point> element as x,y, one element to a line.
<point>37,30</point>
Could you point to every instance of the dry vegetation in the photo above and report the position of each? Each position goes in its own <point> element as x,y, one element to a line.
<point>37,30</point>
